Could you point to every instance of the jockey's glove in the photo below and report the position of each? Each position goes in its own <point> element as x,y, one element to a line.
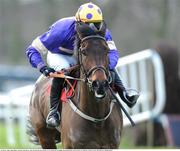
<point>47,70</point>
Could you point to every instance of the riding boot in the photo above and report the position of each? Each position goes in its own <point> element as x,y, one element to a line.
<point>130,100</point>
<point>53,118</point>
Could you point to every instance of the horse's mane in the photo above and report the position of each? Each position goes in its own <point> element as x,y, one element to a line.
<point>76,45</point>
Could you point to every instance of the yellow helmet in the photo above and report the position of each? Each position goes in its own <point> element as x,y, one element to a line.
<point>89,12</point>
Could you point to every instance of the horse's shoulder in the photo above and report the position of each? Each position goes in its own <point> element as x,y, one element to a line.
<point>41,82</point>
<point>40,95</point>
<point>40,86</point>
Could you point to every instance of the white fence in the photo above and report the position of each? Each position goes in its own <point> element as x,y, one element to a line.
<point>142,71</point>
<point>14,109</point>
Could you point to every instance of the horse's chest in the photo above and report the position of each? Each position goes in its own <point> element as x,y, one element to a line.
<point>94,138</point>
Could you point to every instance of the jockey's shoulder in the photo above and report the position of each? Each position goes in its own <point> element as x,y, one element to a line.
<point>70,19</point>
<point>65,21</point>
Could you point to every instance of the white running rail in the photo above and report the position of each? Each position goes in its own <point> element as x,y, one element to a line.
<point>144,72</point>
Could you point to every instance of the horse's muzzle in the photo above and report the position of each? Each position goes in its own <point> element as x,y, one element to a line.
<point>100,88</point>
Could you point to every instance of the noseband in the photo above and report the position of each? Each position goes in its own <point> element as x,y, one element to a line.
<point>87,74</point>
<point>92,37</point>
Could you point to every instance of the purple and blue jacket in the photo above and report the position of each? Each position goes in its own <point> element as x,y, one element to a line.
<point>60,39</point>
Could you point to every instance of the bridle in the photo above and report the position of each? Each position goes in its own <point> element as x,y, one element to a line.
<point>87,80</point>
<point>91,71</point>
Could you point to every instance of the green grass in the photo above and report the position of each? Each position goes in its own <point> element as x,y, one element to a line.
<point>3,139</point>
<point>4,144</point>
<point>126,142</point>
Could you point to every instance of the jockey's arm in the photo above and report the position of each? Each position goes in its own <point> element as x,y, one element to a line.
<point>34,57</point>
<point>49,41</point>
<point>113,52</point>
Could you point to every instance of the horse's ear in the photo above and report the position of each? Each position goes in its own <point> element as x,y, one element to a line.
<point>83,30</point>
<point>102,29</point>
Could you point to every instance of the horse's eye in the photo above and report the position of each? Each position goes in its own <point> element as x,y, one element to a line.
<point>84,52</point>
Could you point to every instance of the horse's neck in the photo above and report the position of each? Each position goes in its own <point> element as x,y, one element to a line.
<point>89,105</point>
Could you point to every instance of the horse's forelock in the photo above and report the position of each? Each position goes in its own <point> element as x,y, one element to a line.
<point>84,29</point>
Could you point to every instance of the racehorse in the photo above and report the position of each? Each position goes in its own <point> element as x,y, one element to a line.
<point>90,119</point>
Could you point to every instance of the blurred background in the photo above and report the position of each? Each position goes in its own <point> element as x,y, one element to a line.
<point>136,25</point>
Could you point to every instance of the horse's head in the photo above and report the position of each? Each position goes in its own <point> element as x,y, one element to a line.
<point>93,56</point>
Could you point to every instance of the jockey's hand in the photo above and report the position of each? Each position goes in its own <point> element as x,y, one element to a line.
<point>46,71</point>
<point>64,71</point>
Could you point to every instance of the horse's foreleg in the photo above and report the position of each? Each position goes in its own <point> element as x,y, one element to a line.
<point>46,138</point>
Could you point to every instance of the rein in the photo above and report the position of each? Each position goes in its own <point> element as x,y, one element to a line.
<point>61,74</point>
<point>86,80</point>
<point>74,107</point>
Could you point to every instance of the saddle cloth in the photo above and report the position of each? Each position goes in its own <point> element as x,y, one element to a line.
<point>68,92</point>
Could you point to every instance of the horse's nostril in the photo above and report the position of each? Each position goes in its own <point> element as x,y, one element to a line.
<point>99,84</point>
<point>95,84</point>
<point>105,83</point>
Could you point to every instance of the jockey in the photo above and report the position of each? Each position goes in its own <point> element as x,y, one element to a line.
<point>58,44</point>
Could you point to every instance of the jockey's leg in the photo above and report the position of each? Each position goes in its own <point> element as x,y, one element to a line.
<point>130,100</point>
<point>57,62</point>
<point>53,118</point>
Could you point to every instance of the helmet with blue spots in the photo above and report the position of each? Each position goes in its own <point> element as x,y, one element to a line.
<point>89,12</point>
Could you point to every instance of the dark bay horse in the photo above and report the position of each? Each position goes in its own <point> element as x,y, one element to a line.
<point>90,119</point>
